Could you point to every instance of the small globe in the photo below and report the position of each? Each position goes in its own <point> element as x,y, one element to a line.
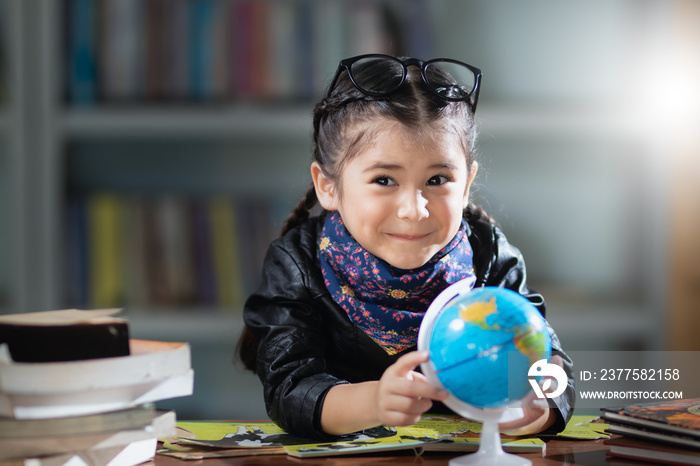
<point>482,343</point>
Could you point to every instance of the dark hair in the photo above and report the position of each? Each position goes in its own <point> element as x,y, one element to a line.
<point>343,126</point>
<point>339,132</point>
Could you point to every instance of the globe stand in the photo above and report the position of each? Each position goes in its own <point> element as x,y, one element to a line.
<point>490,452</point>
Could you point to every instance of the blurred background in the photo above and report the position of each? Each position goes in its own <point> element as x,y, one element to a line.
<point>150,149</point>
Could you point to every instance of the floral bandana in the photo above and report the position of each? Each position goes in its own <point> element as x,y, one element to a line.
<point>386,302</point>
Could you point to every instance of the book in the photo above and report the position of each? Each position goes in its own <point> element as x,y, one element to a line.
<point>226,263</point>
<point>134,453</point>
<point>636,449</point>
<point>680,416</point>
<point>654,436</point>
<point>64,335</point>
<point>581,427</point>
<point>105,225</point>
<point>12,448</point>
<point>153,371</point>
<point>137,417</point>
<point>81,50</point>
<point>432,433</point>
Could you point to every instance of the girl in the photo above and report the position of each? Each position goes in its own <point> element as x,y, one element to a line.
<point>332,330</point>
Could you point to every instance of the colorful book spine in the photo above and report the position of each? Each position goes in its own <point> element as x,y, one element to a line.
<point>167,252</point>
<point>211,50</point>
<point>104,237</point>
<point>81,51</point>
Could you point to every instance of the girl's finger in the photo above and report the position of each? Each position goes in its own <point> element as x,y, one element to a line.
<point>406,363</point>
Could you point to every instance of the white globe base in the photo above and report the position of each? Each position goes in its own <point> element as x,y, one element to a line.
<point>490,452</point>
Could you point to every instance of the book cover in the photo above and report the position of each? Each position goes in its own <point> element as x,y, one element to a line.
<point>64,335</point>
<point>674,416</point>
<point>640,450</point>
<point>668,438</point>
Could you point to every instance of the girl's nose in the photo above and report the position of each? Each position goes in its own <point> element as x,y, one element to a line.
<point>413,206</point>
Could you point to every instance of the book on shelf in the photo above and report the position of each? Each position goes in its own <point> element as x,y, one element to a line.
<point>211,50</point>
<point>81,51</point>
<point>64,335</point>
<point>165,251</point>
<point>641,450</point>
<point>432,433</point>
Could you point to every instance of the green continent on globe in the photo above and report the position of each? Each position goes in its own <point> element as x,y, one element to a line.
<point>528,341</point>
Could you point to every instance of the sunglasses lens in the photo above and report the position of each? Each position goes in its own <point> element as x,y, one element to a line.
<point>449,79</point>
<point>377,75</point>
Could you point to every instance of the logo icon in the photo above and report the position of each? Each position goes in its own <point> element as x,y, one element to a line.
<point>542,368</point>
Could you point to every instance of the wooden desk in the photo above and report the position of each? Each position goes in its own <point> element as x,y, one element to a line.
<point>558,452</point>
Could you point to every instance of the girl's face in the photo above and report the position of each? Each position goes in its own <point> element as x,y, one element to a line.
<point>401,199</point>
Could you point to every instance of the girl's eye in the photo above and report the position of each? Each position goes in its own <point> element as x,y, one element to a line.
<point>383,180</point>
<point>438,180</point>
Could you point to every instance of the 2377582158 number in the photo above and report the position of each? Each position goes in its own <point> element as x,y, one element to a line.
<point>639,374</point>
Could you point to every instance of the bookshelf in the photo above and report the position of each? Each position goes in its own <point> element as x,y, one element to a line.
<point>10,146</point>
<point>55,145</point>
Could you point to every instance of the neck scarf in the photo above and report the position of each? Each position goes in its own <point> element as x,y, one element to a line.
<point>386,302</point>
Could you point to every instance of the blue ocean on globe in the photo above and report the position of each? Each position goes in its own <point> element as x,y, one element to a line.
<point>482,344</point>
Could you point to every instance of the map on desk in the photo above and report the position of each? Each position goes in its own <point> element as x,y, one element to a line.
<point>432,433</point>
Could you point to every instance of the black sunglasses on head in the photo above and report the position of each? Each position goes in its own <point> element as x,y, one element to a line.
<point>379,75</point>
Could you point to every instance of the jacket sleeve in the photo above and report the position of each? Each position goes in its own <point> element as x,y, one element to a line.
<point>291,356</point>
<point>499,263</point>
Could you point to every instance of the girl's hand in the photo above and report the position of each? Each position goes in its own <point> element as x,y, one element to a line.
<point>404,394</point>
<point>538,415</point>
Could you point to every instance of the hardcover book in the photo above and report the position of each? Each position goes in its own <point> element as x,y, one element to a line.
<point>673,416</point>
<point>640,450</point>
<point>64,335</point>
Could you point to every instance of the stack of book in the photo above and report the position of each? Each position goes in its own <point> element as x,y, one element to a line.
<point>74,389</point>
<point>665,432</point>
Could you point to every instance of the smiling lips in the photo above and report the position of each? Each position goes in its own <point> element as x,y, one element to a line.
<point>407,237</point>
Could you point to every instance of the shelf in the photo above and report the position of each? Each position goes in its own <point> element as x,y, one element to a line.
<point>544,118</point>
<point>294,121</point>
<point>234,121</point>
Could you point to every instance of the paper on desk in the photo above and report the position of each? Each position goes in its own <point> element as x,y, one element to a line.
<point>583,427</point>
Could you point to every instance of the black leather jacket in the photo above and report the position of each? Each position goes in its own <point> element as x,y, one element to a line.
<point>308,344</point>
